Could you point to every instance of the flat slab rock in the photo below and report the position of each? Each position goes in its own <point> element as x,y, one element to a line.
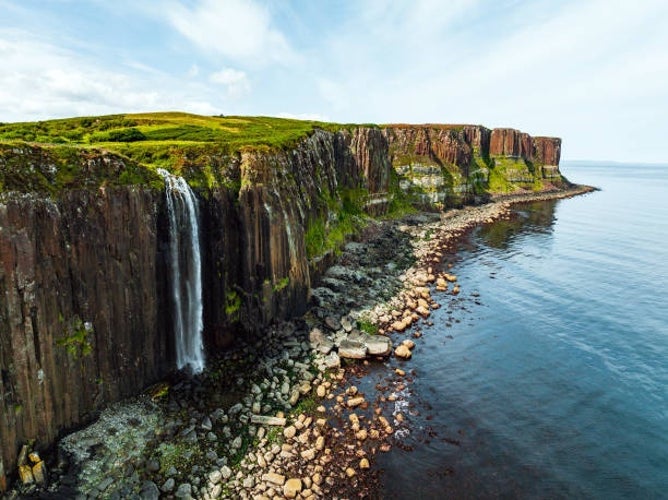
<point>352,349</point>
<point>377,345</point>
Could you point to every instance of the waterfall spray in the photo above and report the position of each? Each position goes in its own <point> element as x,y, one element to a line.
<point>186,272</point>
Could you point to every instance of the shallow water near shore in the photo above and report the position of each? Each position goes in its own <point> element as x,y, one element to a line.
<point>548,375</point>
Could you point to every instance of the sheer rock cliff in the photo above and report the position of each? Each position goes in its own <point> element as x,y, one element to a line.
<point>84,303</point>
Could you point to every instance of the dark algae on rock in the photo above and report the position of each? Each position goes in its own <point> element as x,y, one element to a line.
<point>84,236</point>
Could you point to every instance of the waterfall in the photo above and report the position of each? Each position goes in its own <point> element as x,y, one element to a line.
<point>186,272</point>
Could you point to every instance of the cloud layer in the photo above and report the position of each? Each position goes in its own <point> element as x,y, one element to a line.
<point>587,70</point>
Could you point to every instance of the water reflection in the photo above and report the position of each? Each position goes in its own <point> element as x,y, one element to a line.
<point>536,217</point>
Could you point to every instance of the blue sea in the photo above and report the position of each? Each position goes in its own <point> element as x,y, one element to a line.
<point>547,377</point>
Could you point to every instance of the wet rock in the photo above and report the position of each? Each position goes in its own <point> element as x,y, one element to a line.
<point>352,349</point>
<point>354,402</point>
<point>403,352</point>
<point>378,345</point>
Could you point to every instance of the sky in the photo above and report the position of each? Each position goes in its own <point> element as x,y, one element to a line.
<point>593,72</point>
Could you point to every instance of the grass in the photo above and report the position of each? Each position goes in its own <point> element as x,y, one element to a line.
<point>164,129</point>
<point>200,148</point>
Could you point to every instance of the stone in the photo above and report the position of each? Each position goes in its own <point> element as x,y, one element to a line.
<point>215,476</point>
<point>184,491</point>
<point>39,473</point>
<point>248,482</point>
<point>168,485</point>
<point>292,487</point>
<point>399,326</point>
<point>321,391</point>
<point>350,472</point>
<point>25,474</point>
<point>332,323</point>
<point>332,361</point>
<point>207,425</point>
<point>274,478</point>
<point>354,402</point>
<point>149,491</point>
<point>403,352</point>
<point>364,463</point>
<point>347,324</point>
<point>34,457</point>
<point>152,466</point>
<point>422,311</point>
<point>226,472</point>
<point>308,455</point>
<point>289,432</point>
<point>351,349</point>
<point>268,420</point>
<point>408,343</point>
<point>378,345</point>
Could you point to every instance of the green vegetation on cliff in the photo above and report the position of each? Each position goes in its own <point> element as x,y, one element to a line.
<point>197,147</point>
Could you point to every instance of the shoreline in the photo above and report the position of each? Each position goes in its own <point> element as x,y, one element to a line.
<point>299,427</point>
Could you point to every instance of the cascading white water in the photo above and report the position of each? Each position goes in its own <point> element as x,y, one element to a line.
<point>186,272</point>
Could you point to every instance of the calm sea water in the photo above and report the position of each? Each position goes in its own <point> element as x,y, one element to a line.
<point>548,376</point>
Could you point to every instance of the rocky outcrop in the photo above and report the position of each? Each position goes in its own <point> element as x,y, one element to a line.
<point>82,311</point>
<point>85,310</point>
<point>547,150</point>
<point>512,143</point>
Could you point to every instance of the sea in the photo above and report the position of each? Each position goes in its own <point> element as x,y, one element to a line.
<point>547,376</point>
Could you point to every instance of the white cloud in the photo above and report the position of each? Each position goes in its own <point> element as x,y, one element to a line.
<point>237,29</point>
<point>316,117</point>
<point>193,71</point>
<point>39,80</point>
<point>236,82</point>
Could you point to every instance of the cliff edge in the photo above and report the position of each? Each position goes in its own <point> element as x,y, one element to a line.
<point>85,315</point>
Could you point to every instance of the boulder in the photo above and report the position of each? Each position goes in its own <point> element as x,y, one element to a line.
<point>352,349</point>
<point>378,345</point>
<point>274,478</point>
<point>268,420</point>
<point>332,360</point>
<point>403,352</point>
<point>292,487</point>
<point>332,323</point>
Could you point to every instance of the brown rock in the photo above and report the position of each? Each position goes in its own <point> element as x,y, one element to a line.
<point>274,478</point>
<point>403,352</point>
<point>292,487</point>
<point>354,402</point>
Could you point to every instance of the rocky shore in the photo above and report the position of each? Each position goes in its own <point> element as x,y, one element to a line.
<point>280,416</point>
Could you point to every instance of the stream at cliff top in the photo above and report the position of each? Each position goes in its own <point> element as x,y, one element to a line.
<point>547,377</point>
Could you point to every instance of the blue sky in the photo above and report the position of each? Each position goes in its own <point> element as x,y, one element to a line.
<point>594,72</point>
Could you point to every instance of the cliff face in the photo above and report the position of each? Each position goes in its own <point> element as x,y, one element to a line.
<point>85,310</point>
<point>452,165</point>
<point>81,306</point>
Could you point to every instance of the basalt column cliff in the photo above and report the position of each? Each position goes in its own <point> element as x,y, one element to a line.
<point>85,302</point>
